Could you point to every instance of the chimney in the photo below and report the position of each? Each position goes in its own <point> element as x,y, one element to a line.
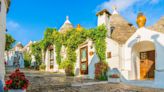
<point>103,17</point>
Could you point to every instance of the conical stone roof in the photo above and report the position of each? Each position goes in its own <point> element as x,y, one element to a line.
<point>19,44</point>
<point>66,26</point>
<point>159,26</point>
<point>122,30</point>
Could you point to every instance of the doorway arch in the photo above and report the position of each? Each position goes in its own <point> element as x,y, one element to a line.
<point>143,60</point>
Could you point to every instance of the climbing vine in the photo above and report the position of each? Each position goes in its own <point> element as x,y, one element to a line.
<point>71,40</point>
<point>36,50</point>
<point>58,45</point>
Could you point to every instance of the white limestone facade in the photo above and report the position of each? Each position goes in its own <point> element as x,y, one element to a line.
<point>91,56</point>
<point>3,11</point>
<point>15,56</point>
<point>125,44</point>
<point>144,40</point>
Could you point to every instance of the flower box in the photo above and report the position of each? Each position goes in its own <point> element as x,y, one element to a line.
<point>114,80</point>
<point>17,82</point>
<point>16,90</point>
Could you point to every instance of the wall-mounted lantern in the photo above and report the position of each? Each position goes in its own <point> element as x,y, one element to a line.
<point>91,53</point>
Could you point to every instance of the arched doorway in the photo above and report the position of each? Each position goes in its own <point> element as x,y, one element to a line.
<point>143,57</point>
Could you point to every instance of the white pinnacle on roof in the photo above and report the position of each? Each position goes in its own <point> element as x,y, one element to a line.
<point>67,20</point>
<point>114,11</point>
<point>66,26</point>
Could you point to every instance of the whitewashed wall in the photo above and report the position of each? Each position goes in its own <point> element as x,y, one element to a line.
<point>157,38</point>
<point>55,62</point>
<point>113,47</point>
<point>47,60</point>
<point>91,59</point>
<point>2,37</point>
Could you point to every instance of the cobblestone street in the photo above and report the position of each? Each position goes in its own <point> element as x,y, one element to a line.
<point>55,82</point>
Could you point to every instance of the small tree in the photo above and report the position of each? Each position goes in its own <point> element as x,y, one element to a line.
<point>9,42</point>
<point>37,52</point>
<point>27,59</point>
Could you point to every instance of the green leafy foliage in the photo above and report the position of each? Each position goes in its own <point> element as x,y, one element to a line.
<point>9,42</point>
<point>27,59</point>
<point>42,67</point>
<point>71,40</point>
<point>48,38</point>
<point>36,50</point>
<point>58,45</point>
<point>100,70</point>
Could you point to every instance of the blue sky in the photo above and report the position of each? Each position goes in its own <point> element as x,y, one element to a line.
<point>28,19</point>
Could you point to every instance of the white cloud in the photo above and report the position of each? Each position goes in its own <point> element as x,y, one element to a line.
<point>124,4</point>
<point>12,25</point>
<point>120,4</point>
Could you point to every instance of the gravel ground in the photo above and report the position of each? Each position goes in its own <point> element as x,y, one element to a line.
<point>56,82</point>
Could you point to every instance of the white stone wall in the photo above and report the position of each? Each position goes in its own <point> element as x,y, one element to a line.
<point>47,60</point>
<point>113,47</point>
<point>157,38</point>
<point>91,59</point>
<point>55,62</point>
<point>2,37</point>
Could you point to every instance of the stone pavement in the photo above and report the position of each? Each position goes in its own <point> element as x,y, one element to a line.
<point>56,82</point>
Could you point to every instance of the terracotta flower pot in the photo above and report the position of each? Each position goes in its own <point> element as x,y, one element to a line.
<point>114,80</point>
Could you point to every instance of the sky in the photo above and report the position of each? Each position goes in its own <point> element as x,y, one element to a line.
<point>28,19</point>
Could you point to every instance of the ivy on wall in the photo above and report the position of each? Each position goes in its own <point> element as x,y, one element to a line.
<point>36,50</point>
<point>71,40</point>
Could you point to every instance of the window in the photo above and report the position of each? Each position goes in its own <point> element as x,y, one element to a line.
<point>112,29</point>
<point>143,55</point>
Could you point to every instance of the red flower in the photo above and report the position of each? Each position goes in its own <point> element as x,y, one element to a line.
<point>17,70</point>
<point>18,80</point>
<point>24,87</point>
<point>8,82</point>
<point>5,88</point>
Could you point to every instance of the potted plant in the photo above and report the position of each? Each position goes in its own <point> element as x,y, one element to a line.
<point>17,82</point>
<point>68,68</point>
<point>100,70</point>
<point>42,67</point>
<point>114,78</point>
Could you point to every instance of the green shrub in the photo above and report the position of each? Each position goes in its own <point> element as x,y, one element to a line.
<point>68,67</point>
<point>27,59</point>
<point>42,67</point>
<point>100,70</point>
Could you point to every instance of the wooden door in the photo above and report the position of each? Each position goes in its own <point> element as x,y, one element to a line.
<point>84,60</point>
<point>51,58</point>
<point>147,65</point>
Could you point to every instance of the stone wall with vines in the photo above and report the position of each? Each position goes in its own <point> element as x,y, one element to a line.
<point>71,40</point>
